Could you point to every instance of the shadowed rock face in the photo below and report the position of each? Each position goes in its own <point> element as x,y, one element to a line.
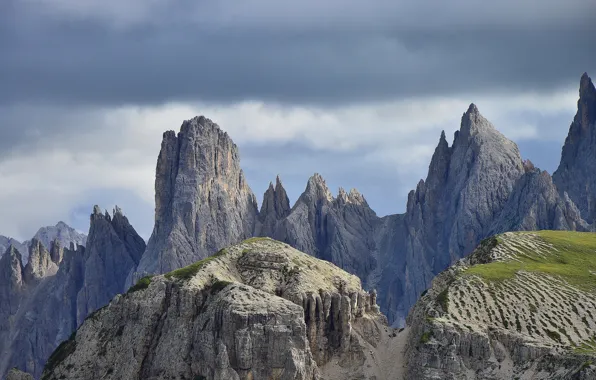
<point>576,173</point>
<point>46,300</point>
<point>202,201</point>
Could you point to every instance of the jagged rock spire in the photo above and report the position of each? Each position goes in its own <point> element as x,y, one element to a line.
<point>576,173</point>
<point>202,200</point>
<point>40,263</point>
<point>316,188</point>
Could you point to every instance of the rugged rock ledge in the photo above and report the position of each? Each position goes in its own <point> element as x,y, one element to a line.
<point>260,309</point>
<point>520,307</point>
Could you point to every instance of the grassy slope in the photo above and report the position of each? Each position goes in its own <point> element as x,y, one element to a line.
<point>572,258</point>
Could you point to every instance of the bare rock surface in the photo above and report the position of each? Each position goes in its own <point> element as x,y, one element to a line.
<point>202,200</point>
<point>43,302</point>
<point>256,310</point>
<point>521,306</point>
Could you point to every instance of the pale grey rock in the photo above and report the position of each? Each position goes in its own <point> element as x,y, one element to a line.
<point>62,233</point>
<point>527,327</point>
<point>258,310</point>
<point>476,187</point>
<point>40,263</point>
<point>339,230</point>
<point>535,204</point>
<point>6,242</point>
<point>202,200</point>
<point>576,174</point>
<point>48,307</point>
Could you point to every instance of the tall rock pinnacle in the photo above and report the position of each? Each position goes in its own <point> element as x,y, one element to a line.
<point>576,174</point>
<point>202,200</point>
<point>275,207</point>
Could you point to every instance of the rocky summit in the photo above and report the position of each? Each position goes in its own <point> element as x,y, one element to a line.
<point>476,187</point>
<point>256,310</point>
<point>202,201</point>
<point>576,174</point>
<point>521,306</point>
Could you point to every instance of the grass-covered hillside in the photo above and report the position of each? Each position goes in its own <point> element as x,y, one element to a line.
<point>540,285</point>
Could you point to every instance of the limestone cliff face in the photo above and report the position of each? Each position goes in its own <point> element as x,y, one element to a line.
<point>113,248</point>
<point>202,201</point>
<point>576,174</point>
<point>51,296</point>
<point>256,310</point>
<point>535,204</point>
<point>339,229</point>
<point>505,312</point>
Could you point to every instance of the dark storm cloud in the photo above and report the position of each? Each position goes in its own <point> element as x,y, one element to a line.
<point>111,54</point>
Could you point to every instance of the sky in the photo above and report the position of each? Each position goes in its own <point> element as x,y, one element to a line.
<point>356,91</point>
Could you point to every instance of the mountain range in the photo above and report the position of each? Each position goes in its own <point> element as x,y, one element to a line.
<point>476,187</point>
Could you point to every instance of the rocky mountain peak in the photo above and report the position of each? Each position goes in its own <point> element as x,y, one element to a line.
<point>316,314</point>
<point>586,104</point>
<point>316,189</point>
<point>202,200</point>
<point>40,263</point>
<point>276,203</point>
<point>11,266</point>
<point>473,123</point>
<point>576,173</point>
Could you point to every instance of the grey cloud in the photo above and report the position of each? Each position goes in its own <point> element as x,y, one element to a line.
<point>230,52</point>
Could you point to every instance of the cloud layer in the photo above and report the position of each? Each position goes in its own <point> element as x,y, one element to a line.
<point>151,52</point>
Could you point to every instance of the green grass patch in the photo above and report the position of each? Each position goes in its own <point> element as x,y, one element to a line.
<point>218,286</point>
<point>553,335</point>
<point>443,299</point>
<point>191,270</point>
<point>143,283</point>
<point>425,337</point>
<point>573,259</point>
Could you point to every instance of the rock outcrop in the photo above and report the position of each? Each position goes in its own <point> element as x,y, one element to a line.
<point>202,201</point>
<point>339,230</point>
<point>40,263</point>
<point>6,242</point>
<point>576,174</point>
<point>520,306</point>
<point>259,309</point>
<point>50,296</point>
<point>275,207</point>
<point>61,232</point>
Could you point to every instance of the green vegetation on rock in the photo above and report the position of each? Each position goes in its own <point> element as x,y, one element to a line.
<point>189,271</point>
<point>570,256</point>
<point>59,355</point>
<point>143,283</point>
